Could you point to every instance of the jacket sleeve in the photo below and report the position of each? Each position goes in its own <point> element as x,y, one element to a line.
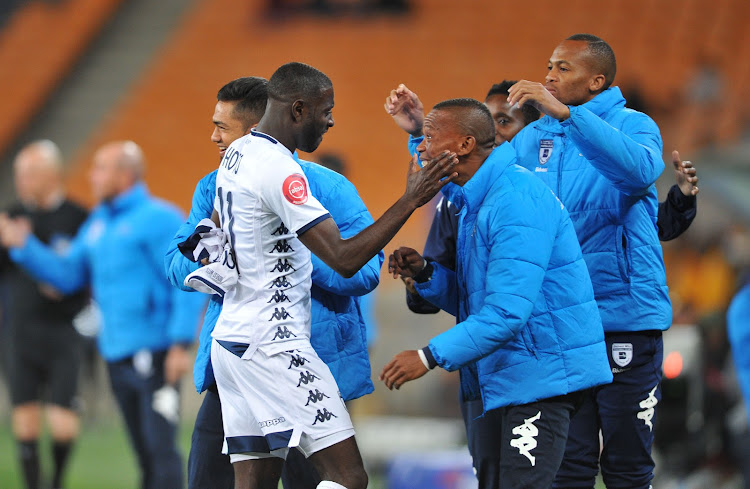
<point>440,247</point>
<point>738,329</point>
<point>177,267</point>
<point>186,309</point>
<point>67,273</point>
<point>676,214</point>
<point>512,282</point>
<point>441,290</point>
<point>630,157</point>
<point>413,143</point>
<point>351,216</point>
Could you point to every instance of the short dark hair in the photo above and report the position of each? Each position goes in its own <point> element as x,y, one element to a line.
<point>601,54</point>
<point>530,113</point>
<point>475,120</point>
<point>250,94</point>
<point>297,80</point>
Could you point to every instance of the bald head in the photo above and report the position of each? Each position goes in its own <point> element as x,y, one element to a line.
<point>600,56</point>
<point>38,172</point>
<point>462,126</point>
<point>117,167</point>
<point>473,118</point>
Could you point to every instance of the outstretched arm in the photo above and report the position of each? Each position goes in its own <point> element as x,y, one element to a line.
<point>67,273</point>
<point>347,256</point>
<point>678,210</point>
<point>351,216</point>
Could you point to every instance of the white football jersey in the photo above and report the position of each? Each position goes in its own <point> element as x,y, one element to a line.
<point>263,199</point>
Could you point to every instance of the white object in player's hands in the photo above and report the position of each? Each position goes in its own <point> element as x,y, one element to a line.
<point>217,277</point>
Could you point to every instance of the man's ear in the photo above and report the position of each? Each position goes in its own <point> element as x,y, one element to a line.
<point>298,110</point>
<point>466,145</point>
<point>596,84</point>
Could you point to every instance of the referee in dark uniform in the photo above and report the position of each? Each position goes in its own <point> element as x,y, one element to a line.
<point>42,349</point>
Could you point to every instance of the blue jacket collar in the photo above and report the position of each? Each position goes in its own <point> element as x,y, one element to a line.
<point>133,196</point>
<point>473,193</point>
<point>599,105</point>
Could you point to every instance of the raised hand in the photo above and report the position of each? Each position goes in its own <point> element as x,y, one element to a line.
<point>685,174</point>
<point>528,92</point>
<point>406,109</point>
<point>423,183</point>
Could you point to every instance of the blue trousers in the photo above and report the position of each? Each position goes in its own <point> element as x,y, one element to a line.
<point>154,438</point>
<point>624,412</point>
<point>208,468</point>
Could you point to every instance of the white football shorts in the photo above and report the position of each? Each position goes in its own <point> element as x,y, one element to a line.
<point>271,402</point>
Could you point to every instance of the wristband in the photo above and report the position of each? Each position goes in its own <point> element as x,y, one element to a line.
<point>425,274</point>
<point>423,358</point>
<point>427,358</point>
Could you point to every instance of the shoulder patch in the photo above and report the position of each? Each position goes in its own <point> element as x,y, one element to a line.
<point>295,189</point>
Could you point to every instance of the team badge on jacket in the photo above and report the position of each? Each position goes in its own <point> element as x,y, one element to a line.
<point>545,150</point>
<point>622,353</point>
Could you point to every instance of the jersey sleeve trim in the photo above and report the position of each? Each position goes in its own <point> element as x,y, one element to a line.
<point>313,223</point>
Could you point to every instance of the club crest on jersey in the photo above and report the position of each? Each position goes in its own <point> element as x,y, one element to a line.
<point>622,353</point>
<point>295,189</point>
<point>545,150</point>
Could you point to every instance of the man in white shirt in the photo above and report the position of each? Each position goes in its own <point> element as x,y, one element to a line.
<point>276,393</point>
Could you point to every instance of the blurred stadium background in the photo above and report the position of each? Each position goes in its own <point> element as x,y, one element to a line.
<point>83,72</point>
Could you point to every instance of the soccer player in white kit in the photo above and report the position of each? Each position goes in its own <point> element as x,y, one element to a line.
<point>275,391</point>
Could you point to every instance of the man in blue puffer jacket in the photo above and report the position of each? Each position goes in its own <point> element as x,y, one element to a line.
<point>146,324</point>
<point>338,329</point>
<point>520,292</point>
<point>602,159</point>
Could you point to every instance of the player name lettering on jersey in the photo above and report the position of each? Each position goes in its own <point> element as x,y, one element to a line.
<point>232,159</point>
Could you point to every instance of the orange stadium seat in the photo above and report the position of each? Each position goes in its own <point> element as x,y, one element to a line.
<point>38,46</point>
<point>442,49</point>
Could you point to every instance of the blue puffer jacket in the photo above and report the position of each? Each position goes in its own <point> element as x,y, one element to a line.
<point>602,163</point>
<point>119,251</point>
<point>738,330</point>
<point>338,329</point>
<point>521,292</point>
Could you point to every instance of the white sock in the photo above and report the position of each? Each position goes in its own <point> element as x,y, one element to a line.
<point>329,485</point>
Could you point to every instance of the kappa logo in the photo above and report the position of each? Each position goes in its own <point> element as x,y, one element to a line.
<point>526,440</point>
<point>278,296</point>
<point>280,314</point>
<point>271,422</point>
<point>323,416</point>
<point>295,189</point>
<point>315,397</point>
<point>282,246</point>
<point>306,378</point>
<point>622,353</point>
<point>281,230</point>
<point>280,283</point>
<point>283,334</point>
<point>297,361</point>
<point>545,150</point>
<point>648,406</point>
<point>283,266</point>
